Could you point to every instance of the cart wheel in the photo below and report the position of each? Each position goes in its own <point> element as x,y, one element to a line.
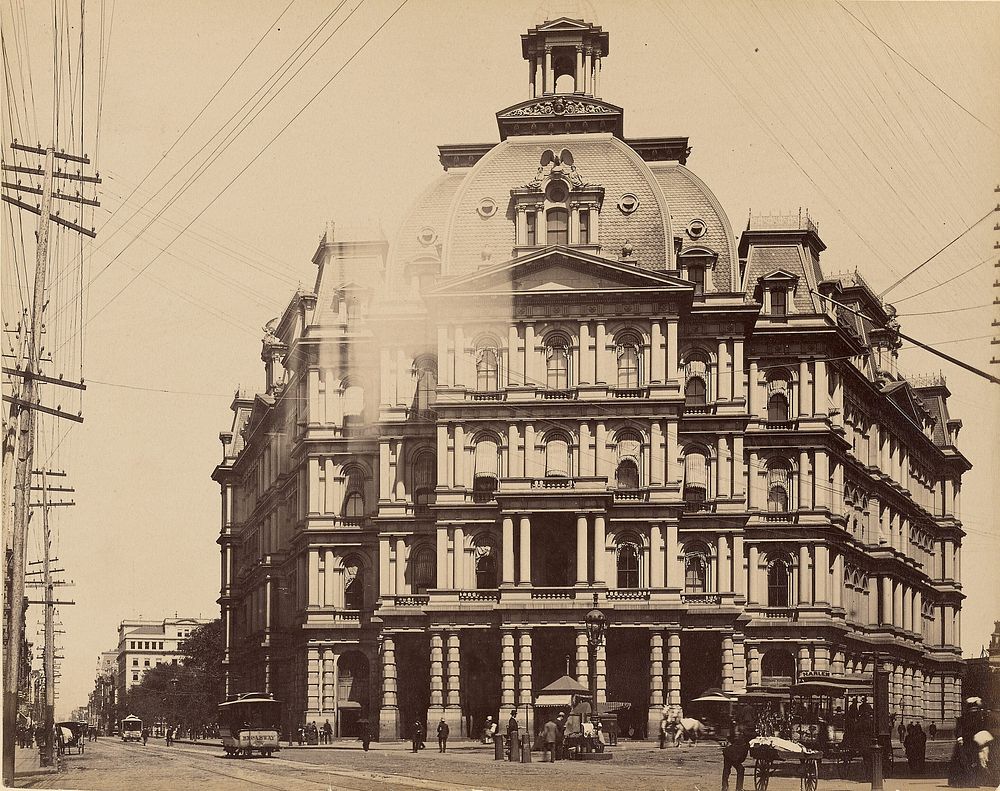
<point>810,775</point>
<point>761,770</point>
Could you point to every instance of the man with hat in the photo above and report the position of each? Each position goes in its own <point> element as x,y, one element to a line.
<point>442,733</point>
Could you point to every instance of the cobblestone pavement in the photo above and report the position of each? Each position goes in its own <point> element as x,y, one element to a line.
<point>110,765</point>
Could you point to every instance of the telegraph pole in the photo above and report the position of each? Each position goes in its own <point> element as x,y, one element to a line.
<point>48,586</point>
<point>26,406</point>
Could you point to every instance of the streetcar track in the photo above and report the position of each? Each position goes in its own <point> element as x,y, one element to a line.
<point>380,778</point>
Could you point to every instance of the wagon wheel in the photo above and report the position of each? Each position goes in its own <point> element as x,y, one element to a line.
<point>810,774</point>
<point>761,774</point>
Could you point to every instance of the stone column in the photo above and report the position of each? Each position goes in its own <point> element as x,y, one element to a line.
<point>739,566</point>
<point>805,482</point>
<point>805,577</point>
<point>588,87</point>
<point>600,553</point>
<point>601,358</point>
<point>459,558</point>
<point>872,601</point>
<point>525,576</point>
<point>918,613</point>
<point>837,599</point>
<point>442,557</point>
<point>657,572</point>
<point>739,370</point>
<point>897,605</point>
<point>525,699</point>
<point>675,567</point>
<point>436,709</point>
<point>724,371</point>
<point>753,580</point>
<point>727,663</point>
<point>821,573</point>
<point>673,351</point>
<point>804,659</point>
<point>400,566</point>
<point>673,667</point>
<point>581,669</point>
<point>738,461</point>
<point>837,666</point>
<point>822,478</point>
<point>822,660</point>
<point>550,81</point>
<point>656,456</point>
<point>673,468</point>
<point>657,359</point>
<point>507,572</point>
<point>389,715</point>
<point>723,582</point>
<point>385,578</point>
<point>887,615</point>
<point>314,577</point>
<point>453,702</point>
<point>907,596</point>
<point>328,578</point>
<point>578,81</point>
<point>507,677</point>
<point>755,498</point>
<point>752,394</point>
<point>821,396</point>
<point>753,667</point>
<point>328,690</point>
<point>581,549</point>
<point>656,694</point>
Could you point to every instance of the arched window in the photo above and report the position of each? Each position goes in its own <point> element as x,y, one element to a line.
<point>354,498</point>
<point>354,399</point>
<point>695,480</point>
<point>486,470</point>
<point>424,571</point>
<point>779,578</point>
<point>424,479</point>
<point>627,352</point>
<point>777,663</point>
<point>778,486</point>
<point>557,226</point>
<point>627,475</point>
<point>629,452</point>
<point>354,584</point>
<point>696,570</point>
<point>486,563</point>
<point>777,408</point>
<point>426,375</point>
<point>695,392</point>
<point>487,369</point>
<point>627,563</point>
<point>557,456</point>
<point>557,363</point>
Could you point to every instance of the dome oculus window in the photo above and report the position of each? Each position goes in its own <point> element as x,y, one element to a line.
<point>697,228</point>
<point>487,208</point>
<point>628,203</point>
<point>427,236</point>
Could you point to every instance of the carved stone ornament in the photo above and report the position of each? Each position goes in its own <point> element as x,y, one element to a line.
<point>484,550</point>
<point>350,574</point>
<point>556,166</point>
<point>559,106</point>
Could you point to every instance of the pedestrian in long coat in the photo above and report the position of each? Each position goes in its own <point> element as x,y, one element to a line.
<point>442,733</point>
<point>418,736</point>
<point>366,735</point>
<point>550,734</point>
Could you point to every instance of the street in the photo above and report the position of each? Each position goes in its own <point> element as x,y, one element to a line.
<point>110,765</point>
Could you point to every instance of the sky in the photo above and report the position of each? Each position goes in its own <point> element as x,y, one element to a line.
<point>881,119</point>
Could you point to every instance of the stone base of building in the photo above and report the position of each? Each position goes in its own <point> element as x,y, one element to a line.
<point>388,725</point>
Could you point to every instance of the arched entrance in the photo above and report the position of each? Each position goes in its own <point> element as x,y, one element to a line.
<point>352,692</point>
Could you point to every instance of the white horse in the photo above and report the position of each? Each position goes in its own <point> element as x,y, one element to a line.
<point>683,729</point>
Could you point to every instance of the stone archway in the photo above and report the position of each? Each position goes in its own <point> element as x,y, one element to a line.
<point>352,692</point>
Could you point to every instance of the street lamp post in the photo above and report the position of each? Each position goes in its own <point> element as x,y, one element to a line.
<point>596,625</point>
<point>173,704</point>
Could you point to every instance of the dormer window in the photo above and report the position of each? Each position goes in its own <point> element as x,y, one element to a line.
<point>779,303</point>
<point>696,274</point>
<point>557,226</point>
<point>694,264</point>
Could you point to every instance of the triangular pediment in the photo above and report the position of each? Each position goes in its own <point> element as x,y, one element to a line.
<point>561,270</point>
<point>902,395</point>
<point>778,274</point>
<point>564,23</point>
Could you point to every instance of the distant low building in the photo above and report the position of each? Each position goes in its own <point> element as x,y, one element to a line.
<point>982,673</point>
<point>145,644</point>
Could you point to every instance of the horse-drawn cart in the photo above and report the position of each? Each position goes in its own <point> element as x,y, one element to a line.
<point>772,755</point>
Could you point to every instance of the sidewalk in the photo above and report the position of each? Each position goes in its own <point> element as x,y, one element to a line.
<point>27,763</point>
<point>465,745</point>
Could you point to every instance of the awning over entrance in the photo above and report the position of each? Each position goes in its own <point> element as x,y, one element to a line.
<point>560,693</point>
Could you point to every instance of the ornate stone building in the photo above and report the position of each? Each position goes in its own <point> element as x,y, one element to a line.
<point>565,376</point>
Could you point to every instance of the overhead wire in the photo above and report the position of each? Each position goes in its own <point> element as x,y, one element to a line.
<point>257,156</point>
<point>896,52</point>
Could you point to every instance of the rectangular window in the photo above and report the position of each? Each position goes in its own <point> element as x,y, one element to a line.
<point>146,663</point>
<point>696,275</point>
<point>585,227</point>
<point>778,302</point>
<point>131,644</point>
<point>557,226</point>
<point>135,663</point>
<point>531,237</point>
